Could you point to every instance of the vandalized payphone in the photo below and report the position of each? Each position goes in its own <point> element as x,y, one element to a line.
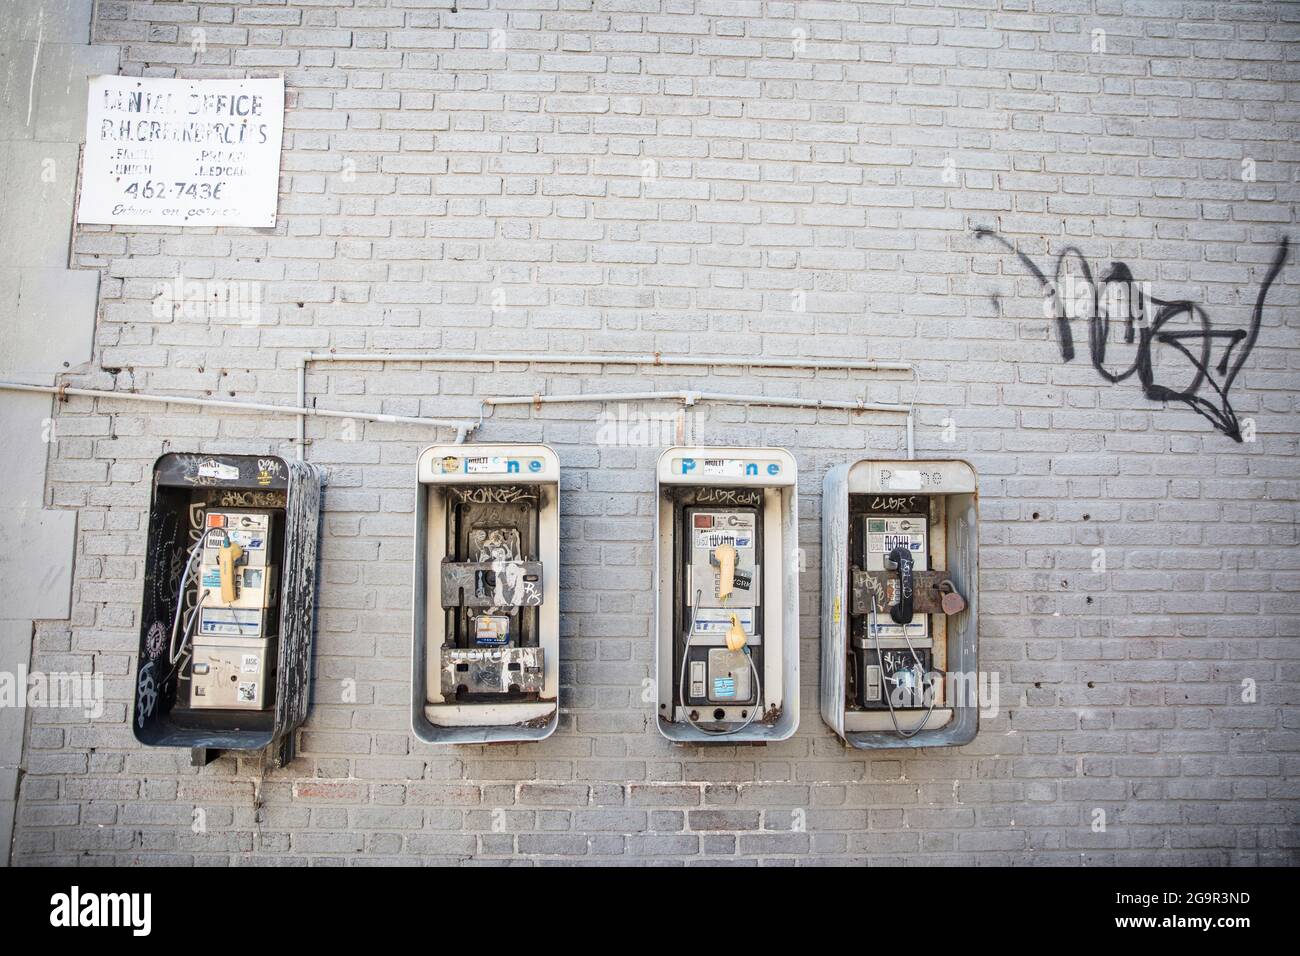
<point>230,574</point>
<point>486,621</point>
<point>899,634</point>
<point>727,603</point>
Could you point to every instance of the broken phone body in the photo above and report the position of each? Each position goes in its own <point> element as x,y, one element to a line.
<point>487,594</point>
<point>727,601</point>
<point>899,620</point>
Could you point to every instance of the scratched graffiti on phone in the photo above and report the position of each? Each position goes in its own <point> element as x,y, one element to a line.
<point>1158,334</point>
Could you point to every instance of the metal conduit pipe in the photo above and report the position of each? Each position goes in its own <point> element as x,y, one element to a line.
<point>690,398</point>
<point>657,359</point>
<point>462,428</point>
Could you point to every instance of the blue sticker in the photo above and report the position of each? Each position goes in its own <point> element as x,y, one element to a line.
<point>724,687</point>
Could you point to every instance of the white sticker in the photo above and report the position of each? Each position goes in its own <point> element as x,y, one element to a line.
<point>486,466</point>
<point>247,540</point>
<point>246,693</point>
<point>214,469</point>
<point>249,664</point>
<point>706,538</point>
<point>717,620</point>
<point>885,543</point>
<point>906,480</point>
<point>230,621</point>
<point>905,524</point>
<point>917,629</point>
<point>724,467</point>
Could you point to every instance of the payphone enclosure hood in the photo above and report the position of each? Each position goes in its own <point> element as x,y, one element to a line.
<point>179,484</point>
<point>772,471</point>
<point>435,720</point>
<point>890,481</point>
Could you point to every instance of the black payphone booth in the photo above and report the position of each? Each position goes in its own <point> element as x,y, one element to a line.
<point>224,660</point>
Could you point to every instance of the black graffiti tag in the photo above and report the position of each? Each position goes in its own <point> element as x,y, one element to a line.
<point>1119,298</point>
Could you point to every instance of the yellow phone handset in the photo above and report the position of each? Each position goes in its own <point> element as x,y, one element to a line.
<point>226,558</point>
<point>735,634</point>
<point>726,555</point>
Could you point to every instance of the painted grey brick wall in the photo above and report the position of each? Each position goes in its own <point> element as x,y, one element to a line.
<point>685,175</point>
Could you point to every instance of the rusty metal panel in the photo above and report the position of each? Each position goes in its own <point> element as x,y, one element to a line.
<point>883,587</point>
<point>491,583</point>
<point>492,670</point>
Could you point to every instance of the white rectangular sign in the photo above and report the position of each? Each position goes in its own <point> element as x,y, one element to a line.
<point>182,152</point>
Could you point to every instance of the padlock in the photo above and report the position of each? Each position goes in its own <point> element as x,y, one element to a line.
<point>951,602</point>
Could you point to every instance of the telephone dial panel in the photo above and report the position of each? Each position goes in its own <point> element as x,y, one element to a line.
<point>722,569</point>
<point>233,631</point>
<point>894,633</point>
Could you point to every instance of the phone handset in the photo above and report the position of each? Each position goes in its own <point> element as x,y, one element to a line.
<point>227,557</point>
<point>900,560</point>
<point>724,556</point>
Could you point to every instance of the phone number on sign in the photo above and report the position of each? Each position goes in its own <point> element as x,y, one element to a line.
<point>152,189</point>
